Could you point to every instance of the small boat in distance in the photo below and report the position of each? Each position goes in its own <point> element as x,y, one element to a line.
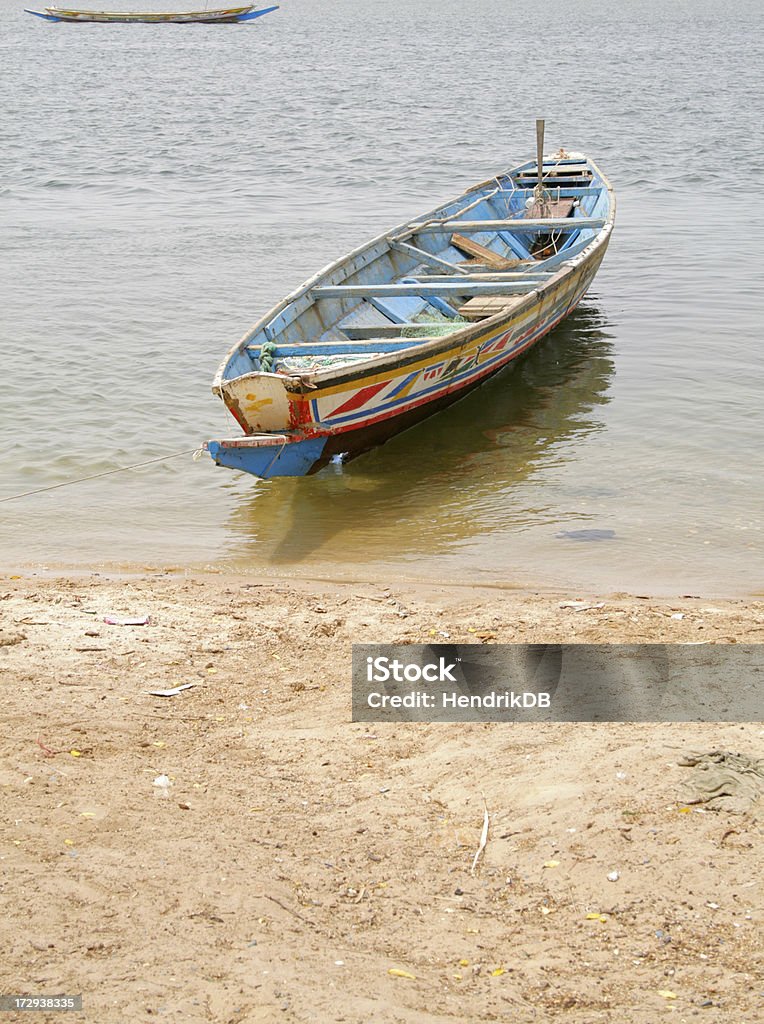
<point>224,14</point>
<point>412,321</point>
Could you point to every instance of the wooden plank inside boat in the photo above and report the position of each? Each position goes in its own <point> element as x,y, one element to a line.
<point>482,253</point>
<point>473,267</point>
<point>421,254</point>
<point>483,306</point>
<point>555,208</point>
<point>554,168</point>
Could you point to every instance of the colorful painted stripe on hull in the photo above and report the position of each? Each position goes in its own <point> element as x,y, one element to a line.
<point>306,455</point>
<point>373,405</point>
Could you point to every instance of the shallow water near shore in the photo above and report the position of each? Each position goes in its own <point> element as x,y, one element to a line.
<point>164,186</point>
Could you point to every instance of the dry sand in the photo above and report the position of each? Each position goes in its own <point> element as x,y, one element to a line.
<point>299,858</point>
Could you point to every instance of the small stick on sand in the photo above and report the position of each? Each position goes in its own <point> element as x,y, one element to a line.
<point>46,749</point>
<point>265,896</point>
<point>483,839</point>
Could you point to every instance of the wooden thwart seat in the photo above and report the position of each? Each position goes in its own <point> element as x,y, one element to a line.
<point>483,306</point>
<point>524,225</point>
<point>555,167</point>
<point>394,330</point>
<point>340,348</point>
<point>443,289</point>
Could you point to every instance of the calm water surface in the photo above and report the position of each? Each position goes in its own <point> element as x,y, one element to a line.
<point>163,186</point>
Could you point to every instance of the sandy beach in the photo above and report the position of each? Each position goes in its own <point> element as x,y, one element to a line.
<point>299,867</point>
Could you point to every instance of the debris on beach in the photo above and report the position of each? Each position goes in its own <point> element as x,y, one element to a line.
<point>725,781</point>
<point>172,692</point>
<point>481,634</point>
<point>483,838</point>
<point>162,785</point>
<point>8,638</point>
<point>113,620</point>
<point>47,751</point>
<point>581,606</point>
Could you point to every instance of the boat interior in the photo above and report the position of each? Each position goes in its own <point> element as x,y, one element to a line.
<point>468,260</point>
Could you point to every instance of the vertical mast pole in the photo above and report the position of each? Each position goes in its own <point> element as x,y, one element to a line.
<point>540,194</point>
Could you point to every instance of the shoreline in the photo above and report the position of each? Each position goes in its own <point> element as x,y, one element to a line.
<point>235,575</point>
<point>512,609</point>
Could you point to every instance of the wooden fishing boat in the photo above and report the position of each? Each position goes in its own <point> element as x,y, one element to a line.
<point>415,319</point>
<point>224,14</point>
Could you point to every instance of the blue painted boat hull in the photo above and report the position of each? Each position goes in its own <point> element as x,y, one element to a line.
<point>257,14</point>
<point>297,458</point>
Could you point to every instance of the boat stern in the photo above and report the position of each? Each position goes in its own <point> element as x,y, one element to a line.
<point>269,455</point>
<point>259,402</point>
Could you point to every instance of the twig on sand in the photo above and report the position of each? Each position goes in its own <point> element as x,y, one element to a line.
<point>273,899</point>
<point>483,839</point>
<point>46,749</point>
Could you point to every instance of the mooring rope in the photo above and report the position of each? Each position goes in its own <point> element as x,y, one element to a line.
<point>267,353</point>
<point>96,476</point>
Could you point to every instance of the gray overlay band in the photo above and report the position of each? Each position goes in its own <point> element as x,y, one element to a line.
<point>558,683</point>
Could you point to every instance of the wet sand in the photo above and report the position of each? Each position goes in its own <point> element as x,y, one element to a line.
<point>297,859</point>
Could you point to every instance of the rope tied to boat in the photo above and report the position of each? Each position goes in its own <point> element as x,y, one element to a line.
<point>267,354</point>
<point>196,452</point>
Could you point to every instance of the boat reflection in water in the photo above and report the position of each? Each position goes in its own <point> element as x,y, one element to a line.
<point>446,481</point>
